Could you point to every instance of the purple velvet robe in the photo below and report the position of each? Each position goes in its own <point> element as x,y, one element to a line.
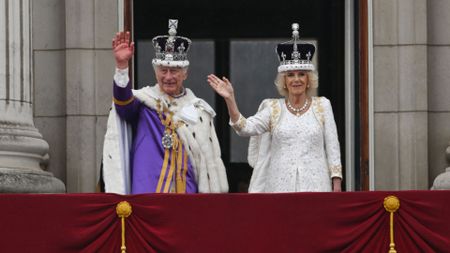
<point>147,152</point>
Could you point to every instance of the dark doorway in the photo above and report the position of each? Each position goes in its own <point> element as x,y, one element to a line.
<point>237,39</point>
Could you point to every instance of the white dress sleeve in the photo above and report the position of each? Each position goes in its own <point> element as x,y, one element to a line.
<point>331,140</point>
<point>256,124</point>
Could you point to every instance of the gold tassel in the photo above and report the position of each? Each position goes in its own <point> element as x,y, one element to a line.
<point>163,171</point>
<point>391,204</point>
<point>123,210</point>
<point>180,182</point>
<point>171,170</point>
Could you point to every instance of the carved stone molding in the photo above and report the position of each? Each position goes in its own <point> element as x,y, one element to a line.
<point>22,148</point>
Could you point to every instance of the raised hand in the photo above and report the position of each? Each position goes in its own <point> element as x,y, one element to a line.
<point>222,86</point>
<point>123,49</point>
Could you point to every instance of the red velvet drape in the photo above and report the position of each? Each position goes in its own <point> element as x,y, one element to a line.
<point>228,223</point>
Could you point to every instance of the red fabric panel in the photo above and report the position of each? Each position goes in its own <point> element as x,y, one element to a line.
<point>228,223</point>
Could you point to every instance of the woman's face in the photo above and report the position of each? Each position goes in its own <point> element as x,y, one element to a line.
<point>296,82</point>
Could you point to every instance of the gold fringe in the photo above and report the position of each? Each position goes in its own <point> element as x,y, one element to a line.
<point>391,204</point>
<point>123,210</point>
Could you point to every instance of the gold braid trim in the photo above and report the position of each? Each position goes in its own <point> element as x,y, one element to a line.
<point>337,169</point>
<point>241,123</point>
<point>275,115</point>
<point>121,102</point>
<point>320,110</point>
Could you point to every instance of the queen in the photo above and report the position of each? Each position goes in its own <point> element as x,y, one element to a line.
<point>294,144</point>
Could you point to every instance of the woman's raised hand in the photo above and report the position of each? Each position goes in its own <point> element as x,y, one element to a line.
<point>223,87</point>
<point>123,49</point>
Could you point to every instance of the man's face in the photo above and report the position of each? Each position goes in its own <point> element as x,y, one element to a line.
<point>170,79</point>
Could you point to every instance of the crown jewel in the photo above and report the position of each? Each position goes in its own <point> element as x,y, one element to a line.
<point>294,54</point>
<point>171,50</point>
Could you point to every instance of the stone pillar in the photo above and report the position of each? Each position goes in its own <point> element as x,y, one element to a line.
<point>90,26</point>
<point>23,152</point>
<point>400,94</point>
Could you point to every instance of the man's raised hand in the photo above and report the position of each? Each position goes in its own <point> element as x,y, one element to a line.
<point>123,49</point>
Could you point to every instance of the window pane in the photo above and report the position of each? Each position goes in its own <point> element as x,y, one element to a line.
<point>253,70</point>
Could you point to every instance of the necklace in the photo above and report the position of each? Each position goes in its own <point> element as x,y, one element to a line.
<point>182,93</point>
<point>297,111</point>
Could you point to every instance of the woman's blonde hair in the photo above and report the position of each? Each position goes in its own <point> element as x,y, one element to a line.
<point>280,82</point>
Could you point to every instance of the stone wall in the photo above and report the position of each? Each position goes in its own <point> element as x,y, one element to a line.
<point>73,69</point>
<point>72,75</point>
<point>400,94</point>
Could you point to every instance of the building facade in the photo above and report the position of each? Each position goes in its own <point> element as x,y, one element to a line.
<point>408,70</point>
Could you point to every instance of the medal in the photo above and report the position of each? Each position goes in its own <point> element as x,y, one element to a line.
<point>167,140</point>
<point>170,139</point>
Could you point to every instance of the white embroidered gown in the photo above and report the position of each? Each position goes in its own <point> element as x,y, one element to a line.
<point>302,157</point>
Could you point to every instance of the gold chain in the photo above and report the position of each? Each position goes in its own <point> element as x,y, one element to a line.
<point>170,126</point>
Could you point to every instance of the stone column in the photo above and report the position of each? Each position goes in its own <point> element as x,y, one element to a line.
<point>23,152</point>
<point>90,26</point>
<point>400,94</point>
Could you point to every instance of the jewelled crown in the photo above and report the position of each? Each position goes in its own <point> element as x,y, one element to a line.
<point>294,54</point>
<point>171,50</point>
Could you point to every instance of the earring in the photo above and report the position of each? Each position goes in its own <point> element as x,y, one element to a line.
<point>284,86</point>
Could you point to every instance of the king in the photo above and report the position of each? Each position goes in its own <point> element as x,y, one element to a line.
<point>161,138</point>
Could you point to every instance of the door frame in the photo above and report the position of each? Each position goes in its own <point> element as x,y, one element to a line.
<point>359,130</point>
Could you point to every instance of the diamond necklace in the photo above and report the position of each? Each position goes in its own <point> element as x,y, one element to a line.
<point>297,111</point>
